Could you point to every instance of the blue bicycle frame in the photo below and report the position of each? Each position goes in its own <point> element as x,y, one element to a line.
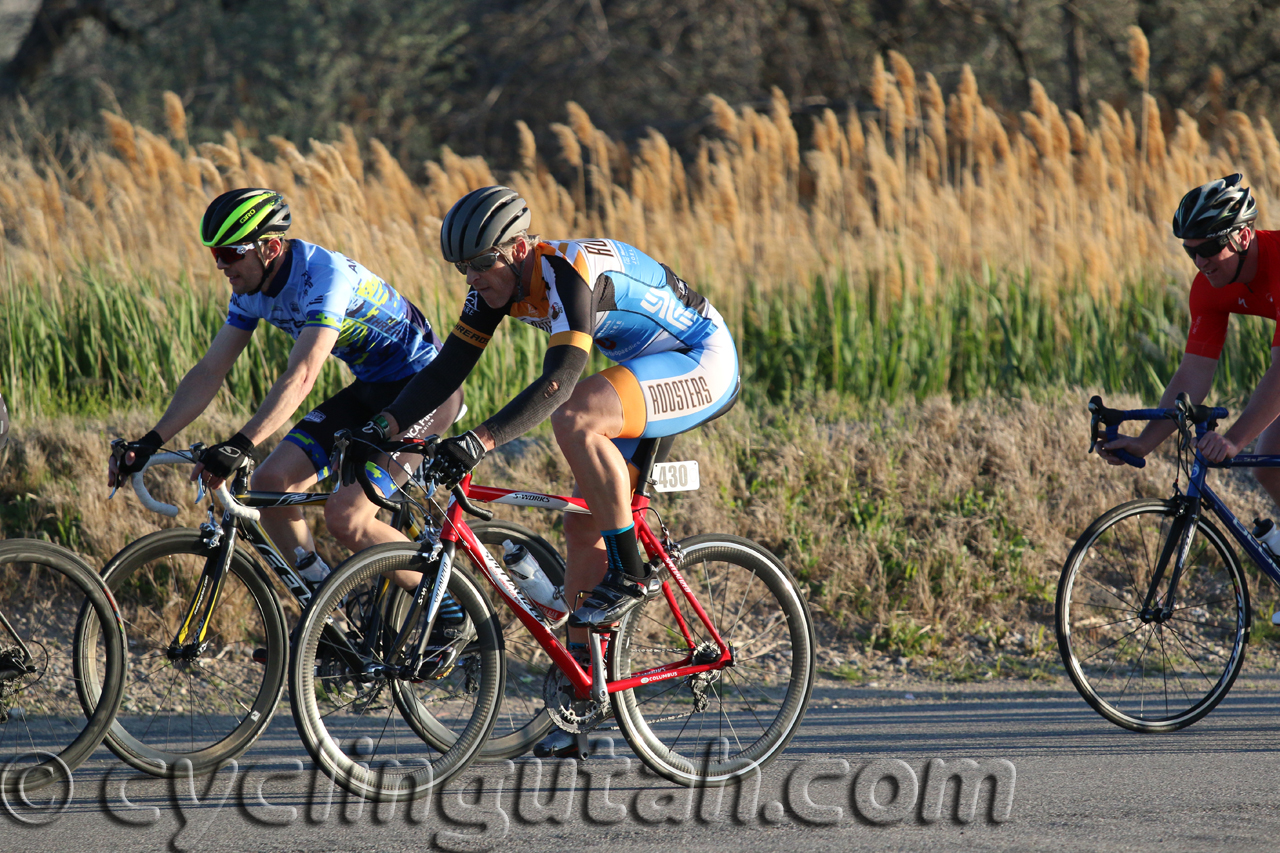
<point>1199,494</point>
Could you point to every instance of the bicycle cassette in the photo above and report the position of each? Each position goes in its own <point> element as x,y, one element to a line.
<point>575,716</point>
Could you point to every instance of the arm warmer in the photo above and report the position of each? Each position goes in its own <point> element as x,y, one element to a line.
<point>435,383</point>
<point>561,368</point>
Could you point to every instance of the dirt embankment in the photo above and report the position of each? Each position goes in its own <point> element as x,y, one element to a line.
<point>927,535</point>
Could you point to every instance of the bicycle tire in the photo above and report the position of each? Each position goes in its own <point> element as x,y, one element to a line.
<point>522,717</point>
<point>334,703</point>
<point>36,747</point>
<point>1103,640</point>
<point>760,613</point>
<point>211,709</point>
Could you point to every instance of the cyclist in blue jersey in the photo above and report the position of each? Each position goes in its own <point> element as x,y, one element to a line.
<point>328,304</point>
<point>676,367</point>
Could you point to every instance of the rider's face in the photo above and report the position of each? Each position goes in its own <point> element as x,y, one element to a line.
<point>246,274</point>
<point>498,283</point>
<point>1220,269</point>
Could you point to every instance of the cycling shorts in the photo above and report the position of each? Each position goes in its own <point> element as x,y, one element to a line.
<point>352,408</point>
<point>665,393</point>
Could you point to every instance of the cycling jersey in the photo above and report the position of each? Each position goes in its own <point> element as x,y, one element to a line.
<point>1212,307</point>
<point>382,336</point>
<point>630,306</point>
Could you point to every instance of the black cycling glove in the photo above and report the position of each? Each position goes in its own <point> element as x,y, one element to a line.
<point>456,456</point>
<point>143,449</point>
<point>223,459</point>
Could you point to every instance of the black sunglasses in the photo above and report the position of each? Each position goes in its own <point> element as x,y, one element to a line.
<point>480,263</point>
<point>1208,248</point>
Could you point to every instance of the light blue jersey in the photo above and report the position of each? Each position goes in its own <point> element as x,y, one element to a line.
<point>382,336</point>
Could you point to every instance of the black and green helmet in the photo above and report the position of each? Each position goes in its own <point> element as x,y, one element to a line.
<point>244,216</point>
<point>1214,210</point>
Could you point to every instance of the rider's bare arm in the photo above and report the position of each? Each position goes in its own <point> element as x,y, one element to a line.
<point>1264,406</point>
<point>292,387</point>
<point>1195,376</point>
<point>198,388</point>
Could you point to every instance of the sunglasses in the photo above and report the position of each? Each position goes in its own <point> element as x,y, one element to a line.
<point>231,254</point>
<point>480,263</point>
<point>1208,248</point>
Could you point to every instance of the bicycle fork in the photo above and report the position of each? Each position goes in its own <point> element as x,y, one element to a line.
<point>200,611</point>
<point>1186,517</point>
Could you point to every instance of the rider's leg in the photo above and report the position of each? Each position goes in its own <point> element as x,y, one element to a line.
<point>287,469</point>
<point>584,428</point>
<point>1269,444</point>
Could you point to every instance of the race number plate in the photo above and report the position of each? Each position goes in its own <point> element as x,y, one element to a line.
<point>675,476</point>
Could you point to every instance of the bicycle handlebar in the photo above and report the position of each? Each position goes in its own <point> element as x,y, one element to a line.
<point>1184,413</point>
<point>237,509</point>
<point>351,472</point>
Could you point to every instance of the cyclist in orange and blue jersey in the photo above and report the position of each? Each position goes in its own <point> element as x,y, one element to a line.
<point>676,367</point>
<point>329,305</point>
<point>1239,273</point>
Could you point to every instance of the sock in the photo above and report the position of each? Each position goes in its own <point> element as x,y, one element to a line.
<point>582,652</point>
<point>450,612</point>
<point>620,545</point>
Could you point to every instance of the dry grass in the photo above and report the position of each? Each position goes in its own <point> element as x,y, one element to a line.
<point>926,182</point>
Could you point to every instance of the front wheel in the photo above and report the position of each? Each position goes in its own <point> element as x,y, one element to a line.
<point>713,727</point>
<point>206,705</point>
<point>359,704</point>
<point>1151,674</point>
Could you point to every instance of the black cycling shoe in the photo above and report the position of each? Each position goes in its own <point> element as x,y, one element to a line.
<point>616,596</point>
<point>557,744</point>
<point>444,647</point>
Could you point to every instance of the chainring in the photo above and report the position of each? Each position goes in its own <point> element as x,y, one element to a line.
<point>574,716</point>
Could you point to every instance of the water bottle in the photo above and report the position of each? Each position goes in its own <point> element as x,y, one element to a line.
<point>310,567</point>
<point>1266,532</point>
<point>534,583</point>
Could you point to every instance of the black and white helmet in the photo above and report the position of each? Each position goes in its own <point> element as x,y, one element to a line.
<point>1215,209</point>
<point>482,220</point>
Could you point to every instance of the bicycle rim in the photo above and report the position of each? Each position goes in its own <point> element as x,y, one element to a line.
<point>50,724</point>
<point>1151,676</point>
<point>210,708</point>
<point>353,722</point>
<point>711,728</point>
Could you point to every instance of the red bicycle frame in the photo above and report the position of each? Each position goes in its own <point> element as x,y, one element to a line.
<point>456,530</point>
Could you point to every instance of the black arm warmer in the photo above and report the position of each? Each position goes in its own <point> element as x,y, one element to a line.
<point>561,368</point>
<point>435,383</point>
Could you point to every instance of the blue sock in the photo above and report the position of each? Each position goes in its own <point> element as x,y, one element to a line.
<point>620,545</point>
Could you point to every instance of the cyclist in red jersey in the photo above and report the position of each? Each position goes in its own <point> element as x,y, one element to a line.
<point>1239,274</point>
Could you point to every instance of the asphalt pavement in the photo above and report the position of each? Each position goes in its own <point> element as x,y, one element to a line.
<point>907,765</point>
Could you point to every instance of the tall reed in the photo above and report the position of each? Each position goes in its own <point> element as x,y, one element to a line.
<point>931,203</point>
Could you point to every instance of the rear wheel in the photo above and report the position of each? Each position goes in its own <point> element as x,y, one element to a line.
<point>716,726</point>
<point>49,721</point>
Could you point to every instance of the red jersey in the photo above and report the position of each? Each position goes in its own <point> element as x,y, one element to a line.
<point>1212,307</point>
